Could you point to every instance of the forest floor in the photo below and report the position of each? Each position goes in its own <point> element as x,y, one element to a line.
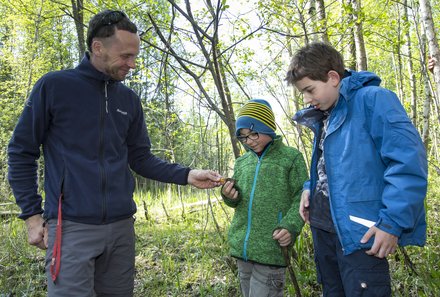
<point>182,251</point>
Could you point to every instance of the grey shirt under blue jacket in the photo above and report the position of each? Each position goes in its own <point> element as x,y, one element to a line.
<point>375,162</point>
<point>93,132</point>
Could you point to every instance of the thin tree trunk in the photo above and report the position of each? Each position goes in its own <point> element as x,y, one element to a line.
<point>361,55</point>
<point>311,20</point>
<point>426,14</point>
<point>428,96</point>
<point>35,51</point>
<point>322,20</point>
<point>411,75</point>
<point>398,53</point>
<point>351,60</point>
<point>78,15</point>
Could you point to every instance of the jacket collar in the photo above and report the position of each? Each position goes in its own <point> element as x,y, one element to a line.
<point>352,81</point>
<point>87,69</point>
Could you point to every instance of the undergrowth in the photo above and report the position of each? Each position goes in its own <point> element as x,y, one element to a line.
<point>181,250</point>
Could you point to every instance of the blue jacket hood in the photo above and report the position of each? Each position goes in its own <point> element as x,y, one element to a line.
<point>351,82</point>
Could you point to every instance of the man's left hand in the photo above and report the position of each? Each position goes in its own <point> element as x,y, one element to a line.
<point>384,243</point>
<point>204,179</point>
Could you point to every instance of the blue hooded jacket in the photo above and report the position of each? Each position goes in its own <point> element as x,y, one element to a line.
<point>92,131</point>
<point>376,164</point>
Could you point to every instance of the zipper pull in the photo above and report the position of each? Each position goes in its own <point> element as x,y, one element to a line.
<point>106,96</point>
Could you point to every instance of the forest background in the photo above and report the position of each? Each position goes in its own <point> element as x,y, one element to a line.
<point>199,62</point>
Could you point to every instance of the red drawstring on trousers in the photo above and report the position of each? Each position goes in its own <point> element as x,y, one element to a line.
<point>56,253</point>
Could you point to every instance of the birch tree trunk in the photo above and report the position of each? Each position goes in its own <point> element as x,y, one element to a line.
<point>427,91</point>
<point>322,20</point>
<point>426,15</point>
<point>351,59</point>
<point>311,20</point>
<point>411,75</point>
<point>361,54</point>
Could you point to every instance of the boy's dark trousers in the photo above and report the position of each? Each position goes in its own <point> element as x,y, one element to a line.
<point>357,274</point>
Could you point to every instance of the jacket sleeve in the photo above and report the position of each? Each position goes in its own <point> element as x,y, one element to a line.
<point>404,156</point>
<point>144,162</point>
<point>292,221</point>
<point>24,151</point>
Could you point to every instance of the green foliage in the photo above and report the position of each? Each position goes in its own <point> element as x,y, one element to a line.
<point>185,255</point>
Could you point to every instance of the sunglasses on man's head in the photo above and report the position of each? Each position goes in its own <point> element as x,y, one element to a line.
<point>112,18</point>
<point>108,19</point>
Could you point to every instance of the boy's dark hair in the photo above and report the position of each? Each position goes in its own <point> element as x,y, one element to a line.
<point>314,61</point>
<point>103,24</point>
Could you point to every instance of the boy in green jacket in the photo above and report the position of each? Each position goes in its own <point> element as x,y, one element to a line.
<point>265,192</point>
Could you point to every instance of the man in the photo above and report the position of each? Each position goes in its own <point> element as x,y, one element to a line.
<point>92,131</point>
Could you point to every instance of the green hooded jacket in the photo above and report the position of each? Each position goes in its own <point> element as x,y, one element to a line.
<point>269,189</point>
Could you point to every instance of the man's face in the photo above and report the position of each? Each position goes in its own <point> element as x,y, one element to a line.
<point>118,54</point>
<point>322,95</point>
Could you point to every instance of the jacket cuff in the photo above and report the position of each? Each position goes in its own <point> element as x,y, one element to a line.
<point>389,226</point>
<point>25,216</point>
<point>306,185</point>
<point>186,176</point>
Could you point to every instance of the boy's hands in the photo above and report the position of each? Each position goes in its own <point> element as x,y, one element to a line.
<point>384,243</point>
<point>204,179</point>
<point>304,206</point>
<point>283,236</point>
<point>229,191</point>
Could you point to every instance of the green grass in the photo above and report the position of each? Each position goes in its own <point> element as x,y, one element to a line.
<point>184,253</point>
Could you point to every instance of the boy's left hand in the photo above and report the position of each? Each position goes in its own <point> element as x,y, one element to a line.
<point>384,243</point>
<point>283,236</point>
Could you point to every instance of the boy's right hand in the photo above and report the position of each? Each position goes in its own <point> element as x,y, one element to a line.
<point>304,206</point>
<point>229,191</point>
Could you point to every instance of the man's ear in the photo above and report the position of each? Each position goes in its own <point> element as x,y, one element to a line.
<point>97,47</point>
<point>334,77</point>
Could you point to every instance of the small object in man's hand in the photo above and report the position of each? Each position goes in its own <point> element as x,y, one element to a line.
<point>223,180</point>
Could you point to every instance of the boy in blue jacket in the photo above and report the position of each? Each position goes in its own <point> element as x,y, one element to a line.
<point>368,175</point>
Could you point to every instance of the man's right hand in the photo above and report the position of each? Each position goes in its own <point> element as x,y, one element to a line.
<point>304,206</point>
<point>37,231</point>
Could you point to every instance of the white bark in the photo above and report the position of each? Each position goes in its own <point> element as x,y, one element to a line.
<point>426,14</point>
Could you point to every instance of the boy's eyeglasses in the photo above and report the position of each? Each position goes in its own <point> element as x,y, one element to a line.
<point>251,136</point>
<point>109,19</point>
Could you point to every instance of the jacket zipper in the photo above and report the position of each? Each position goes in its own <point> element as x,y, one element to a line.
<point>248,229</point>
<point>106,96</point>
<point>335,223</point>
<point>101,154</point>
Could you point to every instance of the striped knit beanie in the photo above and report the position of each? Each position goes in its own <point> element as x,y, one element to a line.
<point>256,115</point>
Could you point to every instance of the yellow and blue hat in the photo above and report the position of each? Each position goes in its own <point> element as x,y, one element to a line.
<point>256,115</point>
